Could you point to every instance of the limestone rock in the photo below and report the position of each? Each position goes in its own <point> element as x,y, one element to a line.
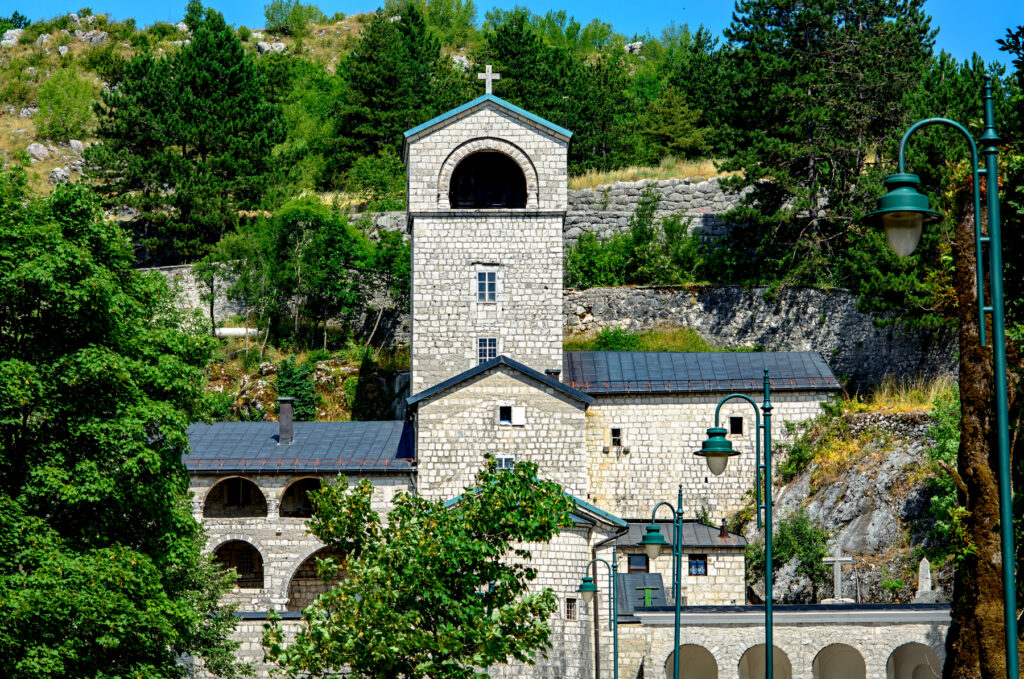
<point>42,40</point>
<point>264,47</point>
<point>93,37</point>
<point>63,50</point>
<point>76,146</point>
<point>59,175</point>
<point>28,112</point>
<point>460,61</point>
<point>11,37</point>
<point>633,47</point>
<point>182,26</point>
<point>74,18</point>
<point>37,151</point>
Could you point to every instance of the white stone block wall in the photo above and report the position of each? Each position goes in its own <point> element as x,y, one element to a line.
<point>447,319</point>
<point>455,429</point>
<point>724,584</point>
<point>662,433</point>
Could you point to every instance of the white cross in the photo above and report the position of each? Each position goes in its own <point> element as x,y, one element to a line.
<point>489,77</point>
<point>837,562</point>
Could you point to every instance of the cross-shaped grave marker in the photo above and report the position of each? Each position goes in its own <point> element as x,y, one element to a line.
<point>837,561</point>
<point>489,77</point>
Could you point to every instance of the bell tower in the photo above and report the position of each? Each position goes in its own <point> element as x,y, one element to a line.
<point>486,202</point>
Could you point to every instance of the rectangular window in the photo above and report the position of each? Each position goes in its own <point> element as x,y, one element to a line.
<point>638,563</point>
<point>486,348</point>
<point>504,414</point>
<point>486,286</point>
<point>616,438</point>
<point>506,462</point>
<point>698,564</point>
<point>736,425</point>
<point>570,608</point>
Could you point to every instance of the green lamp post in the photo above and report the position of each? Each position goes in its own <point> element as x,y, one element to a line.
<point>717,450</point>
<point>902,212</point>
<point>653,542</point>
<point>587,590</point>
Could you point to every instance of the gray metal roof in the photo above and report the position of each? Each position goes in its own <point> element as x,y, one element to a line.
<point>494,362</point>
<point>632,598</point>
<point>694,534</point>
<point>673,372</point>
<point>316,447</point>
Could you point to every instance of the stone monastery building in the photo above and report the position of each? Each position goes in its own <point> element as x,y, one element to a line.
<point>486,202</point>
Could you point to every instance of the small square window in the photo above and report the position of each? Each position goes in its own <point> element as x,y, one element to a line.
<point>486,286</point>
<point>570,609</point>
<point>698,564</point>
<point>506,462</point>
<point>638,563</point>
<point>486,348</point>
<point>504,414</point>
<point>736,425</point>
<point>616,438</point>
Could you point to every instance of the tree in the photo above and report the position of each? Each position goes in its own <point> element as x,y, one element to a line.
<point>670,127</point>
<point>797,537</point>
<point>102,572</point>
<point>435,591</point>
<point>293,380</point>
<point>65,102</point>
<point>186,140</point>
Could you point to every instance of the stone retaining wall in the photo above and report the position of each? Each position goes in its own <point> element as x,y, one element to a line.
<point>859,351</point>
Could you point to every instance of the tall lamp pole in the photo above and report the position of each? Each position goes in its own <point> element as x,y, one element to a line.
<point>653,541</point>
<point>902,212</point>
<point>588,588</point>
<point>717,450</point>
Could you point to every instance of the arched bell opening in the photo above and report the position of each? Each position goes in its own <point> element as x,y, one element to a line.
<point>487,180</point>
<point>244,559</point>
<point>234,498</point>
<point>295,502</point>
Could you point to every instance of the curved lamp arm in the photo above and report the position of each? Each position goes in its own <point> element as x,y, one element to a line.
<point>757,444</point>
<point>978,238</point>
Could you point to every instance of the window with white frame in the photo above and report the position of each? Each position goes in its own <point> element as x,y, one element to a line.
<point>512,415</point>
<point>486,286</point>
<point>506,461</point>
<point>486,348</point>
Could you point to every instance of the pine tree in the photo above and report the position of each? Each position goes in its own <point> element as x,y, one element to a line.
<point>186,140</point>
<point>670,127</point>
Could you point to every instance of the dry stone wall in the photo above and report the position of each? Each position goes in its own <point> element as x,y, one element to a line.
<point>859,350</point>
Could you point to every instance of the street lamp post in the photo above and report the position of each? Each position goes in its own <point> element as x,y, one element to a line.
<point>717,450</point>
<point>902,212</point>
<point>588,588</point>
<point>653,541</point>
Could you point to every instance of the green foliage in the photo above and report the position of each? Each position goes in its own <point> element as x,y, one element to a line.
<point>294,380</point>
<point>102,570</point>
<point>107,62</point>
<point>244,34</point>
<point>433,591</point>
<point>291,17</point>
<point>616,339</point>
<point>799,538</point>
<point>65,106</point>
<point>195,122</point>
<point>15,20</point>
<point>380,180</point>
<point>652,252</point>
<point>350,386</point>
<point>670,127</point>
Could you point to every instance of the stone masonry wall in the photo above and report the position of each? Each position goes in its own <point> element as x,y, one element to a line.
<point>661,433</point>
<point>724,584</point>
<point>859,351</point>
<point>456,428</point>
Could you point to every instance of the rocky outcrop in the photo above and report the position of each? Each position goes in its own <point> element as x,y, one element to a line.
<point>265,47</point>
<point>11,37</point>
<point>859,348</point>
<point>37,152</point>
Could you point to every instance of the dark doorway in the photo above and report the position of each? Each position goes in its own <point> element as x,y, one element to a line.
<point>487,179</point>
<point>246,561</point>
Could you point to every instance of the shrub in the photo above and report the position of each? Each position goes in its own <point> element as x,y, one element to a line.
<point>796,537</point>
<point>291,17</point>
<point>616,339</point>
<point>380,180</point>
<point>244,34</point>
<point>162,30</point>
<point>106,62</point>
<point>294,380</point>
<point>65,106</point>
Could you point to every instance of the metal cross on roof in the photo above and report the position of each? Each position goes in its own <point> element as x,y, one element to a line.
<point>489,77</point>
<point>837,562</point>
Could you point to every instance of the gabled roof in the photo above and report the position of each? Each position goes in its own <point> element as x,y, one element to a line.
<point>585,512</point>
<point>692,534</point>
<point>252,447</point>
<point>481,100</point>
<point>675,372</point>
<point>493,363</point>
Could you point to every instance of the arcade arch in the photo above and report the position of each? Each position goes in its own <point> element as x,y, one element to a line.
<point>487,180</point>
<point>839,661</point>
<point>245,559</point>
<point>695,662</point>
<point>752,665</point>
<point>913,661</point>
<point>234,497</point>
<point>295,502</point>
<point>306,585</point>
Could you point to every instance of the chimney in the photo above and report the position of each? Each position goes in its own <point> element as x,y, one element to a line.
<point>285,405</point>
<point>723,532</point>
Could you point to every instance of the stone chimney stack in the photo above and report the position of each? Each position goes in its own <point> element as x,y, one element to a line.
<point>285,406</point>
<point>723,531</point>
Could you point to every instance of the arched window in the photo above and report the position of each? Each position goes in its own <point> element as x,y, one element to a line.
<point>752,664</point>
<point>246,561</point>
<point>295,502</point>
<point>234,498</point>
<point>487,179</point>
<point>695,662</point>
<point>307,585</point>
<point>839,661</point>
<point>913,661</point>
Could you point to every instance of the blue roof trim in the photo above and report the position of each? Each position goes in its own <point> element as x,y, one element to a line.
<point>500,102</point>
<point>494,362</point>
<point>580,504</point>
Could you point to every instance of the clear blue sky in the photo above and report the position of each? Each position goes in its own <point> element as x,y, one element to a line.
<point>965,26</point>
